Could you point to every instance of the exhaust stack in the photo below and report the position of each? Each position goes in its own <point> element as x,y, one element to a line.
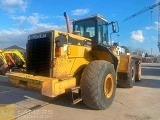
<point>67,22</point>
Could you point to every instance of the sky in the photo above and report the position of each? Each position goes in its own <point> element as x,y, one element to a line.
<point>19,18</point>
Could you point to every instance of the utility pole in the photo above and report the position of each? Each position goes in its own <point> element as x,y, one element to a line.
<point>151,56</point>
<point>118,38</point>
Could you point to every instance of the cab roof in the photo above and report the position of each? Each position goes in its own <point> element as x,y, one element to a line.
<point>93,16</point>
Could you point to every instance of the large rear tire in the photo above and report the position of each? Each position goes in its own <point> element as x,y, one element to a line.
<point>98,84</point>
<point>127,80</point>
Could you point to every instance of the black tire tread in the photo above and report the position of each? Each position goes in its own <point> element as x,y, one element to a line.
<point>89,84</point>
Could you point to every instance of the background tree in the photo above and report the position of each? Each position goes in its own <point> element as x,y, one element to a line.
<point>146,55</point>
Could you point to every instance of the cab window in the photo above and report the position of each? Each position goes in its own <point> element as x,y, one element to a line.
<point>86,28</point>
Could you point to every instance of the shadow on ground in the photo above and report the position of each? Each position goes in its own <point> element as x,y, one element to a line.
<point>151,83</point>
<point>151,71</point>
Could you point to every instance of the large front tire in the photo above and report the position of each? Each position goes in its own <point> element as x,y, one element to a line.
<point>98,84</point>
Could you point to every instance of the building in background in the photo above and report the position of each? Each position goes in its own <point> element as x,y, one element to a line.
<point>158,59</point>
<point>120,50</point>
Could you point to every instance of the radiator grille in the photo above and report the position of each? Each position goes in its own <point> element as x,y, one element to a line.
<point>39,56</point>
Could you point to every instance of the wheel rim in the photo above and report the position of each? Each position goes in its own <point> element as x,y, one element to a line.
<point>108,86</point>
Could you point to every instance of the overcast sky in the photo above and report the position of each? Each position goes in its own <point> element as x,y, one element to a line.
<point>19,18</point>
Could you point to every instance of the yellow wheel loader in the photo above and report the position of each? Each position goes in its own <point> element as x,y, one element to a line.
<point>58,62</point>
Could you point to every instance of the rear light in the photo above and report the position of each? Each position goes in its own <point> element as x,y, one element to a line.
<point>58,51</point>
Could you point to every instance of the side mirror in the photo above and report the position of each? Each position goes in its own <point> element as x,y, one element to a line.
<point>115,27</point>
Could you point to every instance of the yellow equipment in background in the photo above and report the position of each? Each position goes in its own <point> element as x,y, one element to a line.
<point>16,58</point>
<point>11,59</point>
<point>58,62</point>
<point>3,63</point>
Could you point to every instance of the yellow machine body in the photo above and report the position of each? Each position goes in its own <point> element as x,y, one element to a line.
<point>67,64</point>
<point>68,61</point>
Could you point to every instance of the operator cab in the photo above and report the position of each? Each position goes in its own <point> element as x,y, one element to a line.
<point>95,28</point>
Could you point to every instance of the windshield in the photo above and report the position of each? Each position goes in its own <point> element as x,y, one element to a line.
<point>86,28</point>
